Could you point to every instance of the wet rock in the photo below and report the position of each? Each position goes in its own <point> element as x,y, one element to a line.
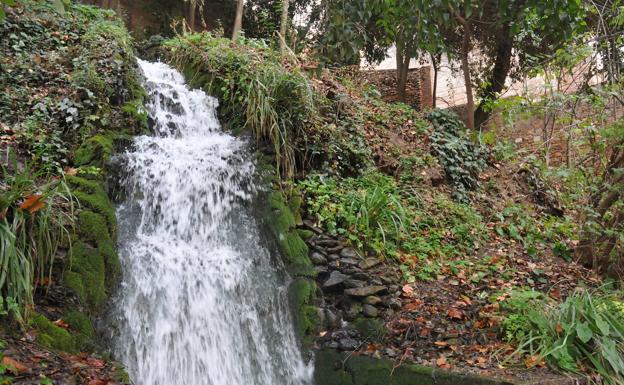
<point>336,278</point>
<point>372,300</point>
<point>347,344</point>
<point>318,258</point>
<point>348,252</point>
<point>352,283</point>
<point>333,257</point>
<point>365,291</point>
<point>369,262</point>
<point>370,310</point>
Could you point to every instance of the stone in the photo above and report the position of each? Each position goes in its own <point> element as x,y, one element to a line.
<point>328,243</point>
<point>333,257</point>
<point>362,276</point>
<point>320,250</point>
<point>318,258</point>
<point>372,300</point>
<point>365,291</point>
<point>375,281</point>
<point>368,263</point>
<point>390,352</point>
<point>348,252</point>
<point>353,311</point>
<point>307,223</point>
<point>349,261</point>
<point>393,303</point>
<point>332,319</point>
<point>321,272</point>
<point>335,278</point>
<point>348,344</point>
<point>351,283</point>
<point>387,280</point>
<point>334,250</point>
<point>370,310</point>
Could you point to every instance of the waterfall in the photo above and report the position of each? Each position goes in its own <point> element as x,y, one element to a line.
<point>202,301</point>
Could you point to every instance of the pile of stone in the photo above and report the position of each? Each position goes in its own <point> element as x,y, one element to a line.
<point>354,285</point>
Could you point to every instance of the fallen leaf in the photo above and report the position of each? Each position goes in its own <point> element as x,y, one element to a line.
<point>60,323</point>
<point>408,290</point>
<point>441,361</point>
<point>14,366</point>
<point>455,313</point>
<point>33,203</point>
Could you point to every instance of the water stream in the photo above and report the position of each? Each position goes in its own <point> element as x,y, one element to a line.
<point>202,301</point>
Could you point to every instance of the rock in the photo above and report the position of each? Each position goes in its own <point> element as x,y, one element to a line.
<point>334,250</point>
<point>372,300</point>
<point>348,252</point>
<point>351,283</point>
<point>369,262</point>
<point>348,344</point>
<point>318,258</point>
<point>393,303</point>
<point>353,311</point>
<point>387,280</point>
<point>335,279</point>
<point>393,288</point>
<point>349,261</point>
<point>320,250</point>
<point>390,352</point>
<point>375,281</point>
<point>333,257</point>
<point>307,223</point>
<point>333,321</point>
<point>333,345</point>
<point>370,310</point>
<point>434,176</point>
<point>362,276</point>
<point>365,291</point>
<point>321,272</point>
<point>328,243</point>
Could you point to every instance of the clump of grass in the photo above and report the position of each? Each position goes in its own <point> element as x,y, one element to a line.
<point>34,223</point>
<point>584,334</point>
<point>258,92</point>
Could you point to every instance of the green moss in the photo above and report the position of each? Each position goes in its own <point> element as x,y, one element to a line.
<point>302,294</point>
<point>92,227</point>
<point>295,253</point>
<point>305,234</point>
<point>100,204</point>
<point>52,336</point>
<point>282,218</point>
<point>83,184</point>
<point>95,151</point>
<point>334,368</point>
<point>83,327</point>
<point>135,110</point>
<point>90,274</point>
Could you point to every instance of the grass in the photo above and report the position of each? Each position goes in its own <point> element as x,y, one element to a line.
<point>34,223</point>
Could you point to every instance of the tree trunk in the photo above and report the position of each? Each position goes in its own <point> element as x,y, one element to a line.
<point>435,63</point>
<point>191,21</point>
<point>284,25</point>
<point>238,21</point>
<point>403,62</point>
<point>499,74</point>
<point>466,69</point>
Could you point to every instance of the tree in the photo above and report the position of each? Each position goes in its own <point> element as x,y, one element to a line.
<point>238,20</point>
<point>283,25</point>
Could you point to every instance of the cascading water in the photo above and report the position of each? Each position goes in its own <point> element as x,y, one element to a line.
<point>201,301</point>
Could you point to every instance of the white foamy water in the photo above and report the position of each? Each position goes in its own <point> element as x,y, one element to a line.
<point>202,301</point>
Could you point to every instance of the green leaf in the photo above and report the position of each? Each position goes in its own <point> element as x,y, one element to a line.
<point>583,331</point>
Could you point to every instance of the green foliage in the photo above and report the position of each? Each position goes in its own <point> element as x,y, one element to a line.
<point>461,158</point>
<point>258,93</point>
<point>586,331</point>
<point>35,221</point>
<point>3,3</point>
<point>373,211</point>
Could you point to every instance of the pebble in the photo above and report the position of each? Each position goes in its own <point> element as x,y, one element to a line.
<point>318,258</point>
<point>365,291</point>
<point>348,252</point>
<point>369,262</point>
<point>370,310</point>
<point>335,279</point>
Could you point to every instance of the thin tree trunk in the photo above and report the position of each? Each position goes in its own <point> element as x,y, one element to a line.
<point>192,7</point>
<point>284,25</point>
<point>470,107</point>
<point>435,63</point>
<point>403,62</point>
<point>496,84</point>
<point>238,21</point>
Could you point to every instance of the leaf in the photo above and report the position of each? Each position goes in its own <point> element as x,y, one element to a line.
<point>33,203</point>
<point>14,366</point>
<point>583,331</point>
<point>455,313</point>
<point>441,361</point>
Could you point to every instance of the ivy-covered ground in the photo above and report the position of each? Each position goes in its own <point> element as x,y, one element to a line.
<point>69,95</point>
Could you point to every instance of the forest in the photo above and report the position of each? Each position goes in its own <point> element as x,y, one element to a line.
<point>326,192</point>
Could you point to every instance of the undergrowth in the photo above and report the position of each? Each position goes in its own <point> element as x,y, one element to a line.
<point>585,332</point>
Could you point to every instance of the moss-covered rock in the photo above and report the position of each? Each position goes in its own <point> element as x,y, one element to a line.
<point>91,195</point>
<point>335,368</point>
<point>52,336</point>
<point>89,272</point>
<point>370,328</point>
<point>95,151</point>
<point>302,294</point>
<point>82,330</point>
